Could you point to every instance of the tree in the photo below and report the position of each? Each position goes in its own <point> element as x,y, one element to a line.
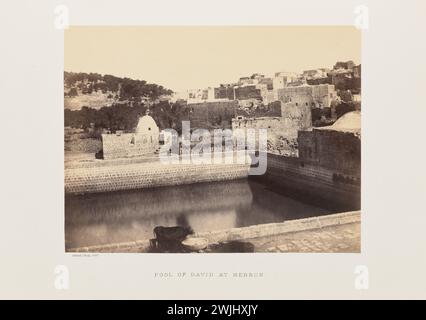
<point>73,92</point>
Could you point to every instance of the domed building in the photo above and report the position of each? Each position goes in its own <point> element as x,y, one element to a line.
<point>148,128</point>
<point>144,141</point>
<point>349,122</point>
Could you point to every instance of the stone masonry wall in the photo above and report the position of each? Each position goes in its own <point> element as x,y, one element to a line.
<point>336,150</point>
<point>208,115</point>
<point>319,96</point>
<point>313,181</point>
<point>127,145</point>
<point>282,131</point>
<point>147,175</point>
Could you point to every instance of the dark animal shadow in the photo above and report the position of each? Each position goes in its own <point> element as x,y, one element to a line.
<point>231,247</point>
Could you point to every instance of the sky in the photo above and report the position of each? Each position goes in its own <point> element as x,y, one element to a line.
<point>181,58</point>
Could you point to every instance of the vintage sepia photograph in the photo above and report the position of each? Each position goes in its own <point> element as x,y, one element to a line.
<point>215,158</point>
<point>219,139</point>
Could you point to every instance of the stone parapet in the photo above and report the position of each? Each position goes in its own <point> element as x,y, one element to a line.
<point>269,229</point>
<point>241,234</point>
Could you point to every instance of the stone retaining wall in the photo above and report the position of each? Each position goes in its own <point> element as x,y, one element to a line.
<point>312,180</point>
<point>147,175</point>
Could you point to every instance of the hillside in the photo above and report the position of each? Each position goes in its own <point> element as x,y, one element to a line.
<point>95,91</point>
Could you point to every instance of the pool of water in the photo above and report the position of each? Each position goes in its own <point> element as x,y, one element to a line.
<point>103,218</point>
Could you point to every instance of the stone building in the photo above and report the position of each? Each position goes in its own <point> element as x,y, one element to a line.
<point>315,73</point>
<point>254,79</point>
<point>282,79</point>
<point>327,171</point>
<point>222,92</point>
<point>208,115</point>
<point>317,81</point>
<point>269,96</point>
<point>282,130</point>
<point>256,109</point>
<point>318,96</point>
<point>145,140</point>
<point>247,92</point>
<point>336,147</point>
<point>345,79</point>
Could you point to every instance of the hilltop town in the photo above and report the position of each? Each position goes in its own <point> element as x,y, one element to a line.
<point>284,103</point>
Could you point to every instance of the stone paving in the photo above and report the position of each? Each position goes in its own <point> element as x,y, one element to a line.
<point>338,232</point>
<point>338,238</point>
<point>344,238</point>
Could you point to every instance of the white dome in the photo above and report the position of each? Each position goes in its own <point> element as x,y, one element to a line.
<point>147,125</point>
<point>349,122</point>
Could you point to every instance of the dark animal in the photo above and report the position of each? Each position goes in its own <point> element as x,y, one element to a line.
<point>169,239</point>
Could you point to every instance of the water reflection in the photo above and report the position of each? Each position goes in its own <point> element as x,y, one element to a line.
<point>96,219</point>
